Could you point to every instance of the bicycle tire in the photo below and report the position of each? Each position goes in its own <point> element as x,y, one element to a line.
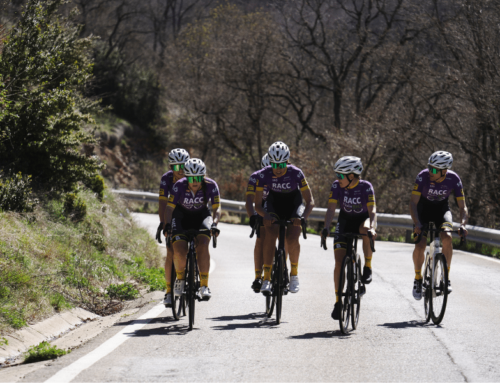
<point>271,299</point>
<point>175,300</point>
<point>426,289</point>
<point>280,280</point>
<point>439,288</point>
<point>356,294</point>
<point>191,295</point>
<point>345,295</point>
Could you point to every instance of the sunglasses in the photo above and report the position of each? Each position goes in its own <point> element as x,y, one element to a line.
<point>281,165</point>
<point>433,170</point>
<point>195,179</point>
<point>177,167</point>
<point>340,176</point>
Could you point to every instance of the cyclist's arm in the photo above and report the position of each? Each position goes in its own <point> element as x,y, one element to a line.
<point>161,209</point>
<point>413,209</point>
<point>464,212</point>
<point>168,214</point>
<point>308,198</point>
<point>249,204</point>
<point>258,203</point>
<point>216,214</point>
<point>330,214</point>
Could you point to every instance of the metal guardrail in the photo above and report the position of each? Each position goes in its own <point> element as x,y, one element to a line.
<point>399,221</point>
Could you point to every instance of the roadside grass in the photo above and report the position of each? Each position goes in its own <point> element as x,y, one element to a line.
<point>50,262</point>
<point>43,351</point>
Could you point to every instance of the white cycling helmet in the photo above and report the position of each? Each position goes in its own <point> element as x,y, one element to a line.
<point>195,167</point>
<point>441,160</point>
<point>279,152</point>
<point>348,165</point>
<point>178,156</point>
<point>265,161</point>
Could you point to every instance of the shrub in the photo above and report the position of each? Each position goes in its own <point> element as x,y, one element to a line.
<point>75,207</point>
<point>97,185</point>
<point>124,292</point>
<point>15,194</point>
<point>44,351</point>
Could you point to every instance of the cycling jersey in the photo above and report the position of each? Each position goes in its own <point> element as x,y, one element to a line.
<point>166,184</point>
<point>182,196</point>
<point>438,191</point>
<point>252,181</point>
<point>293,179</point>
<point>353,200</point>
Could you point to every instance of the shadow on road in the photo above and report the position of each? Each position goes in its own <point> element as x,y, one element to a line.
<point>262,321</point>
<point>322,334</point>
<point>149,321</point>
<point>402,325</point>
<point>167,330</point>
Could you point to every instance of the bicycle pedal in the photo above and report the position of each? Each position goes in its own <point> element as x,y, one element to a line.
<point>362,290</point>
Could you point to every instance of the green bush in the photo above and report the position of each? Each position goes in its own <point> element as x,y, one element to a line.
<point>97,185</point>
<point>153,277</point>
<point>44,351</point>
<point>13,317</point>
<point>124,292</point>
<point>74,207</point>
<point>15,194</point>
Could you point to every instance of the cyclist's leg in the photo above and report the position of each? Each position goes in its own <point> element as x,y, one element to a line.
<point>419,250</point>
<point>293,232</point>
<point>168,267</point>
<point>258,253</point>
<point>367,250</point>
<point>179,242</point>
<point>270,237</point>
<point>340,248</point>
<point>446,225</point>
<point>204,224</point>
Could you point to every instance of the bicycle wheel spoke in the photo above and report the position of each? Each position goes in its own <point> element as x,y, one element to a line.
<point>439,289</point>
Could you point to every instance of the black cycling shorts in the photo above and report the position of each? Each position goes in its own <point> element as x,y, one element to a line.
<point>439,213</point>
<point>285,206</point>
<point>183,219</point>
<point>347,224</point>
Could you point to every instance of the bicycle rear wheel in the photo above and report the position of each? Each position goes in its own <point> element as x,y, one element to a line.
<point>178,303</point>
<point>191,291</point>
<point>356,293</point>
<point>426,289</point>
<point>271,299</point>
<point>345,295</point>
<point>280,284</point>
<point>439,289</point>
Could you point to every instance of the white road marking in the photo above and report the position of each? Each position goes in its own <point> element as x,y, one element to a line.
<point>70,372</point>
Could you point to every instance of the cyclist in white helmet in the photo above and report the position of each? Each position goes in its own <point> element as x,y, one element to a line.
<point>287,187</point>
<point>176,160</point>
<point>429,203</point>
<point>358,214</point>
<point>254,217</point>
<point>187,210</point>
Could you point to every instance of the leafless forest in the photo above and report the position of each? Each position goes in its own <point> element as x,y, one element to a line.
<point>390,81</point>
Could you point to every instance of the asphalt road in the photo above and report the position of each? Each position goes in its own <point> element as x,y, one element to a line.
<point>234,341</point>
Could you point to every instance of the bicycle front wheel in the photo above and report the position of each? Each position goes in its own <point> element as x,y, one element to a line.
<point>345,294</point>
<point>271,299</point>
<point>426,289</point>
<point>178,303</point>
<point>191,291</point>
<point>280,284</point>
<point>356,293</point>
<point>439,288</point>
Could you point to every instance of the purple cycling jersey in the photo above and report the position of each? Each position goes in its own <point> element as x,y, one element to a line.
<point>252,182</point>
<point>166,184</point>
<point>438,191</point>
<point>293,179</point>
<point>354,200</point>
<point>182,196</point>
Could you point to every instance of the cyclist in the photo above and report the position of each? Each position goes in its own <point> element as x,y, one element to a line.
<point>287,186</point>
<point>429,203</point>
<point>254,217</point>
<point>176,160</point>
<point>187,210</point>
<point>358,214</point>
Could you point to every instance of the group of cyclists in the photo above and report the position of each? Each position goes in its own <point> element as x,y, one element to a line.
<point>280,191</point>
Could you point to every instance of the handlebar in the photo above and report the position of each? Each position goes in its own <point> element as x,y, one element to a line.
<point>352,235</point>
<point>168,238</point>
<point>460,232</point>
<point>285,222</point>
<point>255,229</point>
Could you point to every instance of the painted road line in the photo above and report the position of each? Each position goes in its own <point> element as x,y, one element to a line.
<point>70,372</point>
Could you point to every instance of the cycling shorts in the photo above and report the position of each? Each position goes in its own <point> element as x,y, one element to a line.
<point>183,219</point>
<point>347,224</point>
<point>439,213</point>
<point>285,206</point>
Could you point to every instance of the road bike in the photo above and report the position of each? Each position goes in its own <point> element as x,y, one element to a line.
<point>435,275</point>
<point>191,281</point>
<point>279,272</point>
<point>351,286</point>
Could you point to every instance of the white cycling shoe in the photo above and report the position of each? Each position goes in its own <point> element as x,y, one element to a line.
<point>204,293</point>
<point>168,300</point>
<point>266,288</point>
<point>179,287</point>
<point>294,287</point>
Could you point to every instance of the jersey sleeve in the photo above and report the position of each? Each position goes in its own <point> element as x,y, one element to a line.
<point>334,193</point>
<point>459,190</point>
<point>173,198</point>
<point>371,195</point>
<point>164,187</point>
<point>251,185</point>
<point>261,182</point>
<point>215,196</point>
<point>303,185</point>
<point>418,186</point>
